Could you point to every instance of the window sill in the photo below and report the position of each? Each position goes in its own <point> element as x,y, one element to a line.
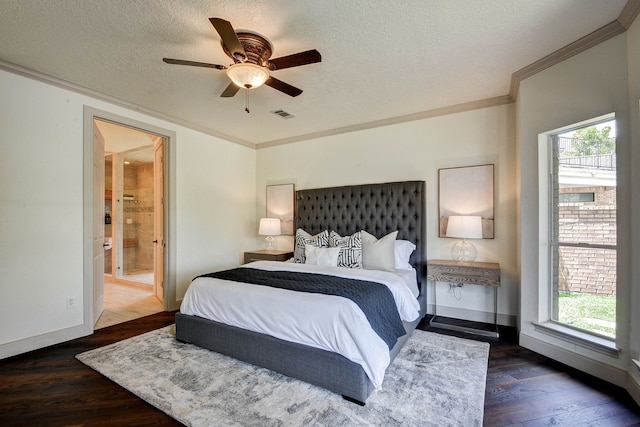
<point>588,341</point>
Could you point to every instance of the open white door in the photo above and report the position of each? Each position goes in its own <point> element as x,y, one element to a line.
<point>98,224</point>
<point>158,222</point>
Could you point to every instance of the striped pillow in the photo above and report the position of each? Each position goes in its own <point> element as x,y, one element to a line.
<point>320,240</point>
<point>350,249</point>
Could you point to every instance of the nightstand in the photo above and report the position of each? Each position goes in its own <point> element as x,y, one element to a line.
<point>466,273</point>
<point>267,255</point>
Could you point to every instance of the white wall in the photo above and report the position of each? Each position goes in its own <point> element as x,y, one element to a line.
<point>415,151</point>
<point>588,85</point>
<point>633,60</point>
<point>41,208</point>
<point>216,206</point>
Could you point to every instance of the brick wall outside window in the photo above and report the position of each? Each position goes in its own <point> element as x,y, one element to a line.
<point>587,270</point>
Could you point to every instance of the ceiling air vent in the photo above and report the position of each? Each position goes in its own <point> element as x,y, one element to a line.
<point>283,114</point>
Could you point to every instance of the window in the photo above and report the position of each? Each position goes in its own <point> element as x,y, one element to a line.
<point>583,253</point>
<point>576,197</point>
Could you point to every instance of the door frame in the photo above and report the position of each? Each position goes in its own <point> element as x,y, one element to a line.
<point>159,146</point>
<point>98,227</point>
<point>89,114</point>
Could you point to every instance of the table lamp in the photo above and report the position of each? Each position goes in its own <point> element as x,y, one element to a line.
<point>464,227</point>
<point>269,227</point>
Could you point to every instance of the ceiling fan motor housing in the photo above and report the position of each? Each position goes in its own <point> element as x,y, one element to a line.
<point>257,48</point>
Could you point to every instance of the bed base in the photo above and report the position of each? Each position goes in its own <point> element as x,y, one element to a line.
<point>315,366</point>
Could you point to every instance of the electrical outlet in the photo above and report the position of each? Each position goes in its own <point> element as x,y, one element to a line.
<point>71,302</point>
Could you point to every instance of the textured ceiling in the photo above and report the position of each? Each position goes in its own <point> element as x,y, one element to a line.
<point>380,59</point>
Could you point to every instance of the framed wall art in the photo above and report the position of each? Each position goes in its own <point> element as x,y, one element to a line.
<point>280,204</point>
<point>466,191</point>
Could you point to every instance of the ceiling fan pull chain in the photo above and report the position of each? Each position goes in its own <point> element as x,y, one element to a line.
<point>246,108</point>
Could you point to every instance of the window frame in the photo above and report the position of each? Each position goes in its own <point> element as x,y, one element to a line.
<point>547,242</point>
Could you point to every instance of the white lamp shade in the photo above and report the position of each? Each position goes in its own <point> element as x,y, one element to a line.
<point>247,75</point>
<point>464,227</point>
<point>269,227</point>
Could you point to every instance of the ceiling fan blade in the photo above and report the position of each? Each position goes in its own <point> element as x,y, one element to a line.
<point>193,63</point>
<point>230,91</point>
<point>295,60</point>
<point>283,87</point>
<point>229,38</point>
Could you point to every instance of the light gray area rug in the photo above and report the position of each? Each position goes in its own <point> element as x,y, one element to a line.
<point>436,380</point>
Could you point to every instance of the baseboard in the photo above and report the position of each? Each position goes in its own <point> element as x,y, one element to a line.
<point>39,341</point>
<point>633,387</point>
<point>575,360</point>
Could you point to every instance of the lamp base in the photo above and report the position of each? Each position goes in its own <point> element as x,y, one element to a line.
<point>270,243</point>
<point>464,251</point>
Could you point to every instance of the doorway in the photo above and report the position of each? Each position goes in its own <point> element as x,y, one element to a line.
<point>133,284</point>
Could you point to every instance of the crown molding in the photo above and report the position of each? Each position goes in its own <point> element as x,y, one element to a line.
<point>612,29</point>
<point>45,78</point>
<point>629,13</point>
<point>82,90</point>
<point>602,34</point>
<point>443,111</point>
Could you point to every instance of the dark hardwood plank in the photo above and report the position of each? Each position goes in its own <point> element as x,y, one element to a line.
<point>527,389</point>
<point>49,387</point>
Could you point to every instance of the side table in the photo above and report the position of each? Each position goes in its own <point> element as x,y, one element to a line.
<point>267,255</point>
<point>467,273</point>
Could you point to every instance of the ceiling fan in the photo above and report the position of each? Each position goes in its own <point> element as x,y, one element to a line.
<point>252,65</point>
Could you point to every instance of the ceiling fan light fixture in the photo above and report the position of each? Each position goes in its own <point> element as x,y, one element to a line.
<point>247,75</point>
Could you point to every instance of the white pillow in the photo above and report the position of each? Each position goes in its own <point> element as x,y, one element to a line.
<point>403,251</point>
<point>321,256</point>
<point>350,249</point>
<point>378,254</point>
<point>303,238</point>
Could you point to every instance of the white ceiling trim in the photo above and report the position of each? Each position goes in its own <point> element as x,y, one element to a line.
<point>629,13</point>
<point>82,90</point>
<point>443,111</point>
<point>614,28</point>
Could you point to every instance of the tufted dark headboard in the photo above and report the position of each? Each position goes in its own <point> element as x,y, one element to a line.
<point>377,208</point>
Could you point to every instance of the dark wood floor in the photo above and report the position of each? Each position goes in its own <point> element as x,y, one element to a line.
<point>49,387</point>
<point>527,389</point>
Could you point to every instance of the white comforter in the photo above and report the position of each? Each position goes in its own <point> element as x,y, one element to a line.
<point>323,321</point>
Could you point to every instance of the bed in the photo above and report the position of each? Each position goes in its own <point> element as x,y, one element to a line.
<point>377,208</point>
